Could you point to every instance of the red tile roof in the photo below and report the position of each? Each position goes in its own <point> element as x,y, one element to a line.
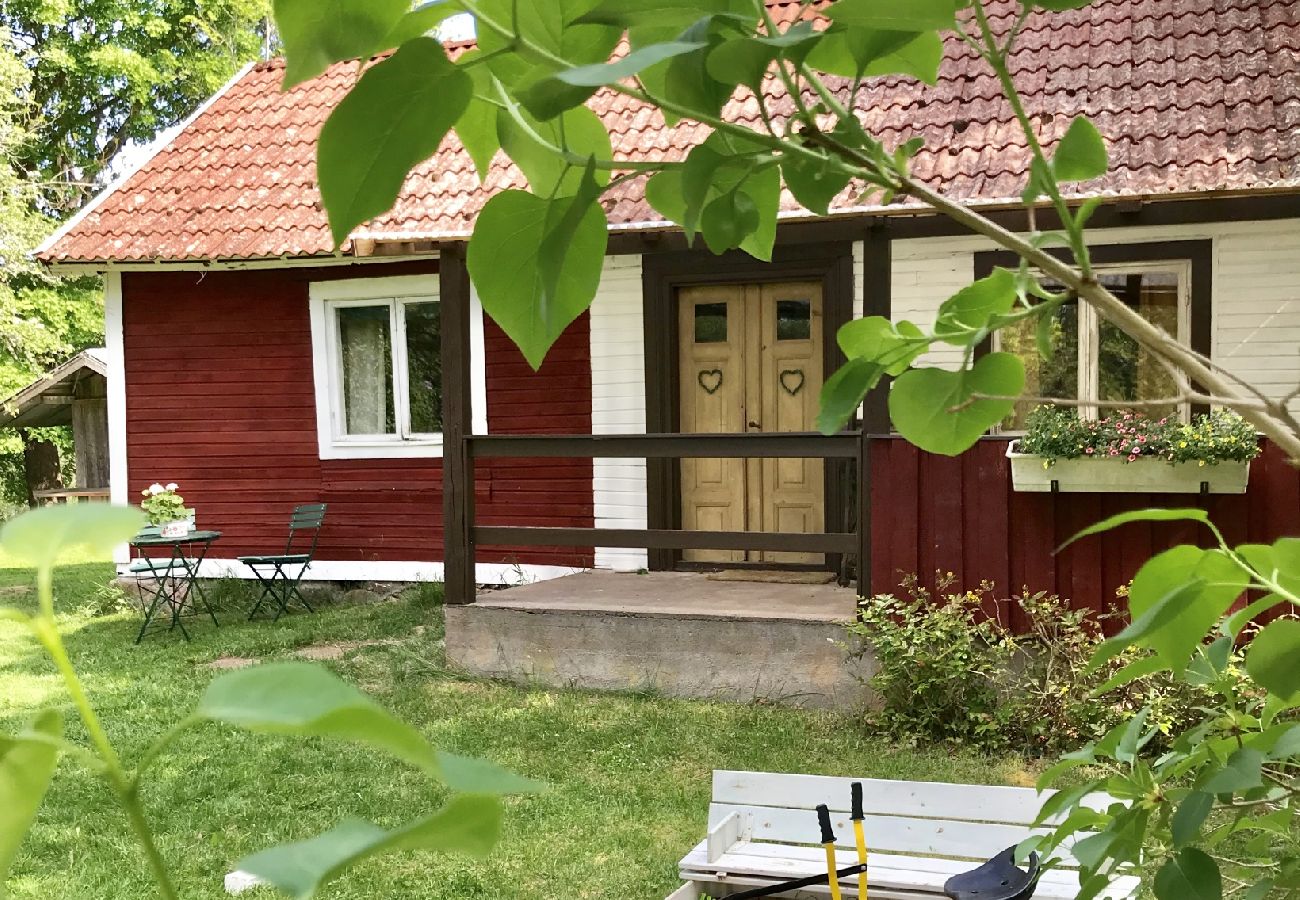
<point>1193,96</point>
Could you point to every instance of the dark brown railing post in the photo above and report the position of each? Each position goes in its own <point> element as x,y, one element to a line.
<point>457,415</point>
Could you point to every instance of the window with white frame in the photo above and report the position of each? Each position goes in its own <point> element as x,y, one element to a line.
<point>377,366</point>
<point>1092,360</point>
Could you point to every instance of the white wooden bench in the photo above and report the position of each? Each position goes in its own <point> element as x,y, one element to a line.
<point>919,833</point>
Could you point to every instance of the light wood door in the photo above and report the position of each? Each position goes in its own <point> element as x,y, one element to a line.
<point>712,325</point>
<point>751,361</point>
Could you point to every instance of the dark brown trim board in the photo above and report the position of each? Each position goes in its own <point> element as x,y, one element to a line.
<point>663,274</point>
<point>457,416</point>
<point>1121,213</point>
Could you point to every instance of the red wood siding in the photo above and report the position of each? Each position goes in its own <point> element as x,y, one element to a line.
<point>220,399</point>
<point>934,513</point>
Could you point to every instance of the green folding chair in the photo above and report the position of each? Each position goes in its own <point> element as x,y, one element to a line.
<point>280,574</point>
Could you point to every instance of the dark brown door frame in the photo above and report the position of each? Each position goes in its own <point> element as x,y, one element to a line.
<point>663,274</point>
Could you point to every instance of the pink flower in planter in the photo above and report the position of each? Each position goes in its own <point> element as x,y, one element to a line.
<point>1088,451</point>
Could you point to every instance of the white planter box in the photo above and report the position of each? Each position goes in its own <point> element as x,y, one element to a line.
<point>1142,476</point>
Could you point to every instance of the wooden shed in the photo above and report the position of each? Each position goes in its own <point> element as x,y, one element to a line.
<point>73,394</point>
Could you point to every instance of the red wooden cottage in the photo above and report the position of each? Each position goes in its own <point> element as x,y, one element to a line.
<point>259,367</point>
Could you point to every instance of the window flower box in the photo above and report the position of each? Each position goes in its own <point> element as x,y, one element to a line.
<point>1145,475</point>
<point>1127,452</point>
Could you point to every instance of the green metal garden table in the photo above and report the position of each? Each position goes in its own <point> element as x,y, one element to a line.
<point>175,578</point>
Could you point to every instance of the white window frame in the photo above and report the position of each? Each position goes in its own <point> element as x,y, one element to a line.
<point>1089,387</point>
<point>325,298</point>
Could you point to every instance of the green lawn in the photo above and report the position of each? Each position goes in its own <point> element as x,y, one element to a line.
<point>629,774</point>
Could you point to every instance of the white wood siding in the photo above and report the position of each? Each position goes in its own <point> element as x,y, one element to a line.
<point>1256,290</point>
<point>618,404</point>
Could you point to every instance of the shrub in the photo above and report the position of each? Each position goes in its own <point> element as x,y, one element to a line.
<point>948,673</point>
<point>1053,433</point>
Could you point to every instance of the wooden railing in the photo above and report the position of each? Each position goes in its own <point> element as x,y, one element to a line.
<point>462,541</point>
<point>72,495</point>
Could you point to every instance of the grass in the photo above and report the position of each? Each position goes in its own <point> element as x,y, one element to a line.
<point>629,773</point>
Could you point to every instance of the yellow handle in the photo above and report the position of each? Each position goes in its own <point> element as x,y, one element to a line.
<point>862,858</point>
<point>830,868</point>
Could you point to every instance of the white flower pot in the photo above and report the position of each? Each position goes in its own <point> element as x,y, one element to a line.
<point>1030,472</point>
<point>178,528</point>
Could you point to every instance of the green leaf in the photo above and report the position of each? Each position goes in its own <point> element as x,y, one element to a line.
<point>558,27</point>
<point>477,125</point>
<point>1220,582</point>
<point>579,130</point>
<point>894,346</point>
<point>608,73</point>
<point>317,33</point>
<point>26,767</point>
<point>686,79</point>
<point>420,21</point>
<point>467,824</point>
<point>1240,773</point>
<point>970,309</point>
<point>1140,515</point>
<point>471,775</point>
<point>848,50</point>
<point>1158,616</point>
<point>728,220</point>
<point>896,15</point>
<point>1092,850</point>
<point>935,409</point>
<point>813,183</point>
<point>842,393</point>
<point>301,699</point>
<point>920,57</point>
<point>1273,659</point>
<point>1189,875</point>
<point>1187,819</point>
<point>39,538</point>
<point>393,118</point>
<point>1139,668</point>
<point>1132,737</point>
<point>1260,890</point>
<point>530,283</point>
<point>1081,154</point>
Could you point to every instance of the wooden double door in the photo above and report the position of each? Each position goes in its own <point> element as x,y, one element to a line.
<point>751,361</point>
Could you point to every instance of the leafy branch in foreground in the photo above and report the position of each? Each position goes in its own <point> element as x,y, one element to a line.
<point>536,65</point>
<point>296,699</point>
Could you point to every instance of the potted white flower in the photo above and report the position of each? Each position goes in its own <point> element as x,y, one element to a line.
<point>165,508</point>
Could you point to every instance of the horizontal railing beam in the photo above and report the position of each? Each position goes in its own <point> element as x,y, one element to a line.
<point>757,445</point>
<point>656,539</point>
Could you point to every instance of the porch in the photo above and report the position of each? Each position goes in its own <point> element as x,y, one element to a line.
<point>685,634</point>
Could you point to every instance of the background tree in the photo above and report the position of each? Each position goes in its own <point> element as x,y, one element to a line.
<point>1217,813</point>
<point>109,74</point>
<point>82,86</point>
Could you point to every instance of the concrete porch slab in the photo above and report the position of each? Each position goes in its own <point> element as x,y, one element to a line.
<point>675,633</point>
<point>678,594</point>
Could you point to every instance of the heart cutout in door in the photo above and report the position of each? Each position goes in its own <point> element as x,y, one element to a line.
<point>710,380</point>
<point>792,381</point>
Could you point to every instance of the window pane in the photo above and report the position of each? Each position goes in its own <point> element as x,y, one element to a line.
<point>710,323</point>
<point>793,320</point>
<point>367,350</point>
<point>1055,377</point>
<point>1125,371</point>
<point>424,367</point>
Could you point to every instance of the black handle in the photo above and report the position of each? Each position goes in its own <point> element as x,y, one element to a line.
<point>824,820</point>
<point>855,789</point>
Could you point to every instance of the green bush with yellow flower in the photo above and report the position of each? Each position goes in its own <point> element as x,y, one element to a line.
<point>1055,432</point>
